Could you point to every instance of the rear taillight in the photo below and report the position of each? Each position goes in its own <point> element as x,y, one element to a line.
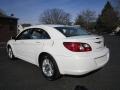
<point>77,46</point>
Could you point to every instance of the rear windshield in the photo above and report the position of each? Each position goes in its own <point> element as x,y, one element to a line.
<point>72,31</point>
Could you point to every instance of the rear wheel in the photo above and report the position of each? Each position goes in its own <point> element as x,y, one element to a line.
<point>10,53</point>
<point>49,68</point>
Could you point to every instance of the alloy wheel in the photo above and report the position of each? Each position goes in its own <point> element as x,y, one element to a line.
<point>47,67</point>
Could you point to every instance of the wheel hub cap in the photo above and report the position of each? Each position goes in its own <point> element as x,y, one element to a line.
<point>47,68</point>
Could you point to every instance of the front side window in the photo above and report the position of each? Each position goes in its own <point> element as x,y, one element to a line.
<point>25,35</point>
<point>72,31</point>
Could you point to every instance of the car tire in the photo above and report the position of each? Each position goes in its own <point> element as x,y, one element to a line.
<point>49,68</point>
<point>10,53</point>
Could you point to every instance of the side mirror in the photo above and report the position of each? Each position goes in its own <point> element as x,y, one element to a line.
<point>13,38</point>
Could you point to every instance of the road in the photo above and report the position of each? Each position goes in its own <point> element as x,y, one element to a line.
<point>20,75</point>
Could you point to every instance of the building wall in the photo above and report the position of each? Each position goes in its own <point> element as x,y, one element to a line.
<point>8,28</point>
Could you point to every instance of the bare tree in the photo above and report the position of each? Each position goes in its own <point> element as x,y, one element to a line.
<point>86,19</point>
<point>55,16</point>
<point>89,16</point>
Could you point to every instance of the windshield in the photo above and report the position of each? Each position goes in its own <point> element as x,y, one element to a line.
<point>72,31</point>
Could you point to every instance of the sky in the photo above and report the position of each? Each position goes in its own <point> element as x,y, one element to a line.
<point>29,11</point>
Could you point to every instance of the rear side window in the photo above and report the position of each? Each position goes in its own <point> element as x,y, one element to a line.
<point>39,34</point>
<point>72,31</point>
<point>36,35</point>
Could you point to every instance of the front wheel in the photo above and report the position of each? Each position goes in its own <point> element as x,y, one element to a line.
<point>10,53</point>
<point>49,68</point>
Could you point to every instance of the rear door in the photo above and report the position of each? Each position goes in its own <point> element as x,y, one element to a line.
<point>36,44</point>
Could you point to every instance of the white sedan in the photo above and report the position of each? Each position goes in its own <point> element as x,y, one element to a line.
<point>59,50</point>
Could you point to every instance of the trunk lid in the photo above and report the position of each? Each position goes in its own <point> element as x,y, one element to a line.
<point>96,42</point>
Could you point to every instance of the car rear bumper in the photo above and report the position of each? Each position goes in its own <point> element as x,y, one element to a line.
<point>76,65</point>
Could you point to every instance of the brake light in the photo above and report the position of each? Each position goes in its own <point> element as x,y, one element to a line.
<point>77,46</point>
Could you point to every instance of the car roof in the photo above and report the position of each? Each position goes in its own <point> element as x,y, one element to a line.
<point>49,29</point>
<point>47,25</point>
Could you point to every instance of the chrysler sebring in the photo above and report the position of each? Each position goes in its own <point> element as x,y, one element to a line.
<point>59,50</point>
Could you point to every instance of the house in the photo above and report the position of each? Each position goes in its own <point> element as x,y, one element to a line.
<point>8,27</point>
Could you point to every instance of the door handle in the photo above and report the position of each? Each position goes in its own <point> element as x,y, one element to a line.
<point>21,42</point>
<point>37,42</point>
